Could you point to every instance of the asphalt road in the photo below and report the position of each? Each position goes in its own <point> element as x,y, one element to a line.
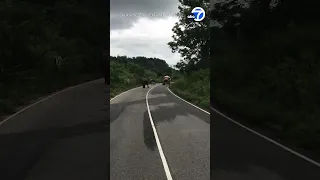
<point>183,132</point>
<point>62,138</point>
<point>73,136</point>
<point>238,154</point>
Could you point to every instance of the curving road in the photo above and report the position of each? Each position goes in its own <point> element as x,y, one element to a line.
<point>182,130</point>
<point>150,134</point>
<point>62,138</point>
<point>239,153</point>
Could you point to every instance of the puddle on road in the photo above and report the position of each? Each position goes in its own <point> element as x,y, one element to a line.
<point>165,114</point>
<point>156,95</point>
<point>158,106</point>
<point>148,134</point>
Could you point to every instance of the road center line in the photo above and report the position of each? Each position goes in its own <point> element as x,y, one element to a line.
<point>163,158</point>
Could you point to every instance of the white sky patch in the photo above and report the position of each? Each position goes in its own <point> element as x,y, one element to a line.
<point>147,37</point>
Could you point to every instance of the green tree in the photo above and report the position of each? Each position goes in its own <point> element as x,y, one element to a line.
<point>191,39</point>
<point>35,33</point>
<point>265,66</point>
<point>126,72</point>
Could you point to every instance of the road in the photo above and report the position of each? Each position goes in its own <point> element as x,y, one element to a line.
<point>183,132</point>
<point>64,137</point>
<point>149,134</point>
<point>238,154</point>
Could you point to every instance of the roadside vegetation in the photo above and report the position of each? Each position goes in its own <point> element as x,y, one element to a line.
<point>47,46</point>
<point>125,72</point>
<point>194,88</point>
<point>265,67</point>
<point>194,84</point>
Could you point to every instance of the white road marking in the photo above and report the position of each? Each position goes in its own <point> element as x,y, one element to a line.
<point>268,139</point>
<point>69,88</point>
<point>163,158</point>
<point>188,102</point>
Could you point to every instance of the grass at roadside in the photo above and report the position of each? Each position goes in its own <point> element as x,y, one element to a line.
<point>194,88</point>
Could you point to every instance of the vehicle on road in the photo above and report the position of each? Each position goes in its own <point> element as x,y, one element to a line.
<point>152,81</point>
<point>166,80</point>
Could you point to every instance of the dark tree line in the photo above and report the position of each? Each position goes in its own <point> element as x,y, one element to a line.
<point>264,59</point>
<point>47,45</point>
<point>158,66</point>
<point>128,72</point>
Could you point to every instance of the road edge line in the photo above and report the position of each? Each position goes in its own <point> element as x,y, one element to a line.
<point>123,93</point>
<point>268,139</point>
<point>163,158</point>
<point>188,102</point>
<point>48,97</point>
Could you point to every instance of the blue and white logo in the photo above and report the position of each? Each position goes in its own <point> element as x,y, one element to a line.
<point>198,14</point>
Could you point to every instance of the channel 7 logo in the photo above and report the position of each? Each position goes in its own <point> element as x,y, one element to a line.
<point>197,14</point>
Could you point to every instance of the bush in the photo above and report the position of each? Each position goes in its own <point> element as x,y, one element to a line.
<point>194,88</point>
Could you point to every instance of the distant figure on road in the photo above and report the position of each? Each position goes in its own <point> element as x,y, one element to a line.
<point>128,81</point>
<point>105,67</point>
<point>166,80</point>
<point>144,82</point>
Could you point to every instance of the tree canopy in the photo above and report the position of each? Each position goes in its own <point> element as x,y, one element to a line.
<point>158,66</point>
<point>127,72</point>
<point>47,45</point>
<point>265,65</point>
<point>191,39</point>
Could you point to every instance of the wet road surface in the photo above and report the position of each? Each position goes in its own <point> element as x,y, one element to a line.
<point>237,154</point>
<point>183,131</point>
<point>65,137</point>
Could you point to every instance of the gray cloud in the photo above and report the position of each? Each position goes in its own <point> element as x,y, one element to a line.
<point>143,47</point>
<point>123,13</point>
<point>147,38</point>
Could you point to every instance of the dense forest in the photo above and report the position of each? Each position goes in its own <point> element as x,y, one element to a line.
<point>263,56</point>
<point>265,66</point>
<point>264,61</point>
<point>48,45</point>
<point>156,65</point>
<point>192,41</point>
<point>125,72</point>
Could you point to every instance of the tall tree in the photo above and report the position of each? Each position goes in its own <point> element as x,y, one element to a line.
<point>191,39</point>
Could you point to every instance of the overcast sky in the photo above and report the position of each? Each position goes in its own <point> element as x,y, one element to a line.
<point>143,28</point>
